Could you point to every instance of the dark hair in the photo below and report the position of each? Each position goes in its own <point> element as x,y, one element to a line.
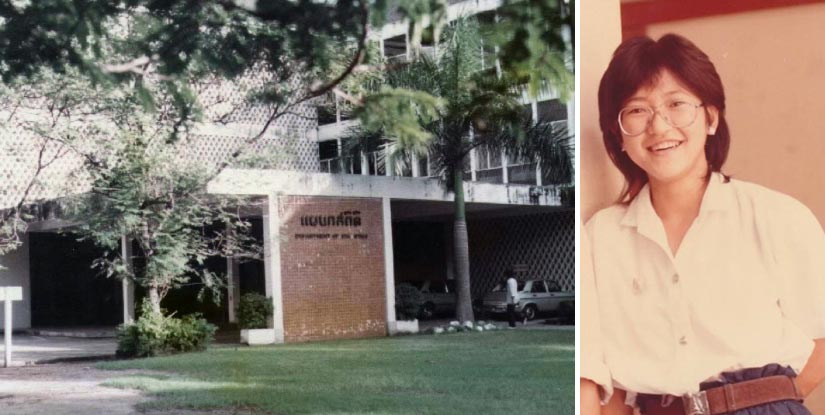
<point>637,63</point>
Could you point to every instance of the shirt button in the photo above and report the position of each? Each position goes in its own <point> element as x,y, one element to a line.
<point>675,278</point>
<point>683,340</point>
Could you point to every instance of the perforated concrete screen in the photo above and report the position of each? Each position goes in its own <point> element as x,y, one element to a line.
<point>23,151</point>
<point>544,243</point>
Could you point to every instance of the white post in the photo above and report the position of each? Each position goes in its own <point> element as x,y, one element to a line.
<point>416,168</point>
<point>7,295</point>
<point>7,328</point>
<point>272,263</point>
<point>473,158</point>
<point>505,173</point>
<point>127,285</point>
<point>389,264</point>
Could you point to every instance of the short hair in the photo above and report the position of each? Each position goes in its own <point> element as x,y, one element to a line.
<point>638,63</point>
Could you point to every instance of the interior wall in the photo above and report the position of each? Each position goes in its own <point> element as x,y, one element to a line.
<point>771,65</point>
<point>16,274</point>
<point>600,34</point>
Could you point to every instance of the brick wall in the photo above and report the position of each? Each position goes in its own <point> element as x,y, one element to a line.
<point>332,275</point>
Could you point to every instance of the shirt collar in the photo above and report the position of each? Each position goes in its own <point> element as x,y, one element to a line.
<point>717,197</point>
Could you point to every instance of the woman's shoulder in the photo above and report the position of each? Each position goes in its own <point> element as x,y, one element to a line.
<point>608,217</point>
<point>764,199</point>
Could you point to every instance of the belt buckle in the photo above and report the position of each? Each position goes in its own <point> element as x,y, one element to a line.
<point>696,403</point>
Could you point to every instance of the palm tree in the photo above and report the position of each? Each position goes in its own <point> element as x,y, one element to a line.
<point>478,108</point>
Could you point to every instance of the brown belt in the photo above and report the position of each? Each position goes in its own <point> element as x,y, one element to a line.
<point>723,399</point>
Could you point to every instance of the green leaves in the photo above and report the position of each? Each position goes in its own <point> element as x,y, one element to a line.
<point>399,114</point>
<point>531,37</point>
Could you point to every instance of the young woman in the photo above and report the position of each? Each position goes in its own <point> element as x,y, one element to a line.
<point>710,291</point>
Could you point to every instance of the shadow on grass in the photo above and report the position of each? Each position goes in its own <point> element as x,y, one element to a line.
<point>525,373</point>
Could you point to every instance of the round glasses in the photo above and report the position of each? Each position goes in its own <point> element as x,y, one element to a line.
<point>635,119</point>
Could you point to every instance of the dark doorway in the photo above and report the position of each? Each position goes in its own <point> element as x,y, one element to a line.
<point>65,290</point>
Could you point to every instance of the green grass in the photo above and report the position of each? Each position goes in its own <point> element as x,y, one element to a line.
<point>516,372</point>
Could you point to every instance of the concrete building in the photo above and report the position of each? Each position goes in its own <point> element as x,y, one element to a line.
<point>338,232</point>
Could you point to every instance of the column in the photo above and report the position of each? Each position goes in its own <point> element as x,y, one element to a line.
<point>272,262</point>
<point>127,285</point>
<point>505,173</point>
<point>416,168</point>
<point>389,264</point>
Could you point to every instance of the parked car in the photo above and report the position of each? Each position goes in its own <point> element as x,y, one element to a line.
<point>535,297</point>
<point>439,298</point>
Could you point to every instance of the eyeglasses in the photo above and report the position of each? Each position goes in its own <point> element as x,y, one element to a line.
<point>635,119</point>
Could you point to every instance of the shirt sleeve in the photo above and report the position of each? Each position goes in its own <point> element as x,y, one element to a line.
<point>799,253</point>
<point>592,360</point>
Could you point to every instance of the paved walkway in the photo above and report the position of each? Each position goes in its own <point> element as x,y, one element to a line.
<point>29,349</point>
<point>63,389</point>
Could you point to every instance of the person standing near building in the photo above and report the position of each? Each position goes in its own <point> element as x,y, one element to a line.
<point>512,299</point>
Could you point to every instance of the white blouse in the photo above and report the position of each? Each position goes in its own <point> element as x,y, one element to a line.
<point>591,355</point>
<point>746,288</point>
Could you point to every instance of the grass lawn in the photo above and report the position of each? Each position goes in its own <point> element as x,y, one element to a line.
<point>515,372</point>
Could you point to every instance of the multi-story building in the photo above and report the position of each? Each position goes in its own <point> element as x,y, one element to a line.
<point>339,232</point>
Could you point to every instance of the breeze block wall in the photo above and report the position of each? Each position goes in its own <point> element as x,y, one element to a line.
<point>332,268</point>
<point>543,242</point>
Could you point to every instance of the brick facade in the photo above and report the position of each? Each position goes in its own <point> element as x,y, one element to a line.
<point>332,268</point>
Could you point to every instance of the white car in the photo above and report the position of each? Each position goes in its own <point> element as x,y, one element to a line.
<point>535,297</point>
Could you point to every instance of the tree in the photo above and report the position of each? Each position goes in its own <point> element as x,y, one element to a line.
<point>148,47</point>
<point>473,109</point>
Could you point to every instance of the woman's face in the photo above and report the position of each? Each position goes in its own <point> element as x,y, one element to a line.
<point>667,153</point>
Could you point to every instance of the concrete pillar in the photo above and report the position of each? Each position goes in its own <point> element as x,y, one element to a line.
<point>534,108</point>
<point>505,174</point>
<point>389,162</point>
<point>416,170</point>
<point>365,164</point>
<point>233,288</point>
<point>7,296</point>
<point>389,264</point>
<point>272,262</point>
<point>127,285</point>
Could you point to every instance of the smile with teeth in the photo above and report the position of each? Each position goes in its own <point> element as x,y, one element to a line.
<point>665,145</point>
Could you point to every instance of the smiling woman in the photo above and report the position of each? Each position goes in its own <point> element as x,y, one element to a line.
<point>687,252</point>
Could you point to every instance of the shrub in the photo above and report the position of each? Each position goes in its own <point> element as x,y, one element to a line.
<point>253,310</point>
<point>408,301</point>
<point>190,333</point>
<point>154,334</point>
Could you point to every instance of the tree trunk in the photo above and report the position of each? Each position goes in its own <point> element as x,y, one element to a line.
<point>461,252</point>
<point>154,298</point>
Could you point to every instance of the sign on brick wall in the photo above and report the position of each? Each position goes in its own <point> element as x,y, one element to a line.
<point>344,225</point>
<point>332,268</point>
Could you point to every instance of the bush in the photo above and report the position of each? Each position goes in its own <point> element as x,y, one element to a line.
<point>408,301</point>
<point>190,333</point>
<point>155,334</point>
<point>253,310</point>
